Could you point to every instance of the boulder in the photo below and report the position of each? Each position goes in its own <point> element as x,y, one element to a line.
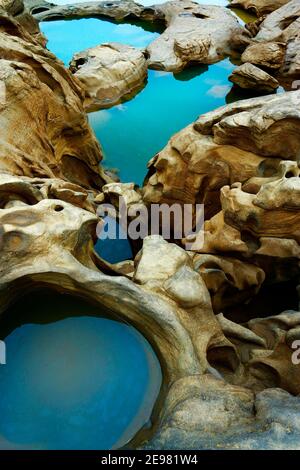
<point>282,26</point>
<point>259,7</point>
<point>267,54</point>
<point>249,76</point>
<point>193,35</point>
<point>110,73</point>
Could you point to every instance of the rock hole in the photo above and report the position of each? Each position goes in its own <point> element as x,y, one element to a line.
<point>37,10</point>
<point>58,208</point>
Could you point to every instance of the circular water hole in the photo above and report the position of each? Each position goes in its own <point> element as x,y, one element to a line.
<point>73,379</point>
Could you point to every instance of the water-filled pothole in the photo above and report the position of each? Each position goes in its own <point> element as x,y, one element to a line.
<point>73,379</point>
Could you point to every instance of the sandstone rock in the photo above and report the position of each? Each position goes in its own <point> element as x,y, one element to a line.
<point>232,329</point>
<point>260,7</point>
<point>279,360</point>
<point>266,126</point>
<point>193,168</point>
<point>110,73</point>
<point>283,26</point>
<point>214,415</point>
<point>250,76</point>
<point>46,131</point>
<point>229,280</point>
<point>281,23</point>
<point>192,35</point>
<point>244,213</point>
<point>16,9</point>
<point>192,31</point>
<point>267,54</point>
<point>118,10</point>
<point>12,7</point>
<point>220,377</point>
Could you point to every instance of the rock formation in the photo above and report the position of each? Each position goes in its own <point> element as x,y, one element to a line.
<point>192,33</point>
<point>229,377</point>
<point>268,126</point>
<point>110,73</point>
<point>276,43</point>
<point>270,54</point>
<point>249,76</point>
<point>259,7</point>
<point>46,132</point>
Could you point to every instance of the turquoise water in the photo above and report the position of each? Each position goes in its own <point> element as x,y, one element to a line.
<point>132,132</point>
<point>72,380</point>
<point>113,246</point>
<point>68,37</point>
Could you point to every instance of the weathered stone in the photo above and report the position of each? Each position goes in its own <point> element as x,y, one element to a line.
<point>250,76</point>
<point>45,131</point>
<point>229,280</point>
<point>110,73</point>
<point>220,376</point>
<point>266,126</point>
<point>283,26</point>
<point>193,35</point>
<point>193,168</point>
<point>192,31</point>
<point>259,7</point>
<point>267,54</point>
<point>13,7</point>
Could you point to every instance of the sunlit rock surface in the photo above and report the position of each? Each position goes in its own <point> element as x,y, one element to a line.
<point>276,43</point>
<point>45,132</point>
<point>192,33</point>
<point>110,73</point>
<point>230,380</point>
<point>251,77</point>
<point>260,7</point>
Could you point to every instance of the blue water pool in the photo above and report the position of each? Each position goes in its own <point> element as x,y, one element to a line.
<point>73,380</point>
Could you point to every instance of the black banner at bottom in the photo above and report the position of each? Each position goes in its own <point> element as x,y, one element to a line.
<point>135,459</point>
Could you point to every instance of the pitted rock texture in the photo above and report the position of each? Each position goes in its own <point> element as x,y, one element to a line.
<point>110,73</point>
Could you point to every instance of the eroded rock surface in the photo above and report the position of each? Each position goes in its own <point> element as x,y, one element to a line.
<point>251,77</point>
<point>110,73</point>
<point>230,377</point>
<point>192,33</point>
<point>267,126</point>
<point>45,131</point>
<point>259,7</point>
<point>280,27</point>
